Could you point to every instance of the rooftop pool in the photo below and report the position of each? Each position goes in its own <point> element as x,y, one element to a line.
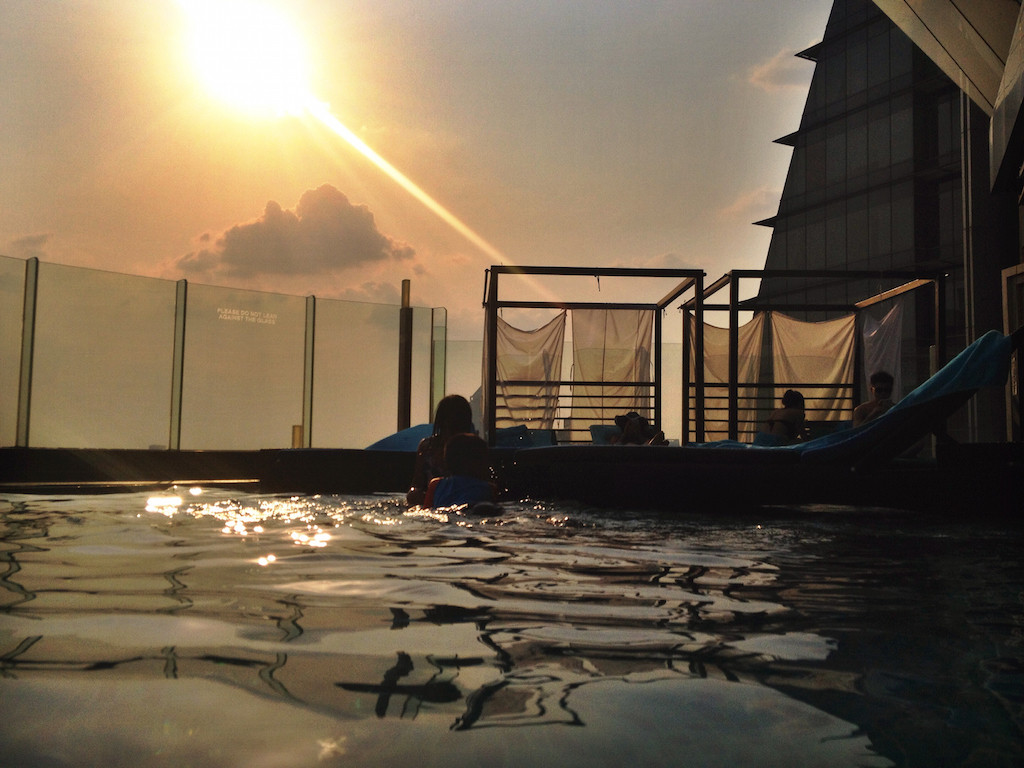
<point>208,628</point>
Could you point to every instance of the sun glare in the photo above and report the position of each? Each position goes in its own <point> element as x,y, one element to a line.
<point>249,55</point>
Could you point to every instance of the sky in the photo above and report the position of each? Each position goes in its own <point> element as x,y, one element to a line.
<point>552,132</point>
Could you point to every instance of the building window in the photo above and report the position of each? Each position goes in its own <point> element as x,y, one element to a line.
<point>879,222</point>
<point>878,138</point>
<point>835,158</point>
<point>835,235</point>
<point>902,130</point>
<point>857,63</point>
<point>878,55</point>
<point>857,228</point>
<point>903,224</point>
<point>857,144</point>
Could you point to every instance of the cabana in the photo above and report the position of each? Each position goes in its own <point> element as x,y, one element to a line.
<point>616,364</point>
<point>530,395</point>
<point>747,367</point>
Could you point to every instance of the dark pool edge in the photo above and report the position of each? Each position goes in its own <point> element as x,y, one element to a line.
<point>965,478</point>
<point>95,470</point>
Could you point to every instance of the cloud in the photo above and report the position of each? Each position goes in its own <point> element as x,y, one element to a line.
<point>669,260</point>
<point>755,204</point>
<point>781,72</point>
<point>325,234</point>
<point>30,246</point>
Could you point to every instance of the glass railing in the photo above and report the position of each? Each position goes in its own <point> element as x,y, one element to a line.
<point>93,359</point>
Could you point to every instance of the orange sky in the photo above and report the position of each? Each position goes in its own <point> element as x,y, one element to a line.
<point>590,132</point>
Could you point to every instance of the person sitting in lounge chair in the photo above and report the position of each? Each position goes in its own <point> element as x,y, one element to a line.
<point>634,429</point>
<point>881,399</point>
<point>785,425</point>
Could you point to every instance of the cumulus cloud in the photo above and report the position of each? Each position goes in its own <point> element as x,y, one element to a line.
<point>782,71</point>
<point>325,234</point>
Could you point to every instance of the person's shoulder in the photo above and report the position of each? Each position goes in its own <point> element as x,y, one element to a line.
<point>431,492</point>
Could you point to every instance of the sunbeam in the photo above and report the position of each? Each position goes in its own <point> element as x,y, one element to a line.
<point>248,55</point>
<point>321,112</point>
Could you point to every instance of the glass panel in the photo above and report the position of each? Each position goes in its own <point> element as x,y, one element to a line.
<point>835,75</point>
<point>835,233</point>
<point>815,160</point>
<point>465,366</point>
<point>903,225</point>
<point>880,222</point>
<point>816,236</point>
<point>901,54</point>
<point>878,55</point>
<point>857,144</point>
<point>422,327</point>
<point>857,64</point>
<point>355,374</point>
<point>796,242</point>
<point>878,138</point>
<point>950,222</point>
<point>243,373</point>
<point>101,375</point>
<point>857,228</point>
<point>836,155</point>
<point>948,118</point>
<point>902,130</point>
<point>12,298</point>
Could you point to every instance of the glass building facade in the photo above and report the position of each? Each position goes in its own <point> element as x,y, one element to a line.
<point>875,177</point>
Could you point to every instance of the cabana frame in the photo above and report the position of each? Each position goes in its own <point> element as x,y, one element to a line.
<point>689,280</point>
<point>732,280</point>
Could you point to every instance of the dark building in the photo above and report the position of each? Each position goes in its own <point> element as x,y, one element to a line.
<point>892,169</point>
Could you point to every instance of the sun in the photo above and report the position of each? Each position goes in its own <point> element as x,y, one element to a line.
<point>249,55</point>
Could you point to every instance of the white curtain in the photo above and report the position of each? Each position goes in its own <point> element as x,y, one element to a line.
<point>883,348</point>
<point>611,345</point>
<point>817,353</point>
<point>534,356</point>
<point>716,372</point>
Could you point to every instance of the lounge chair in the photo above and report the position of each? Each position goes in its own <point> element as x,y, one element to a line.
<point>848,467</point>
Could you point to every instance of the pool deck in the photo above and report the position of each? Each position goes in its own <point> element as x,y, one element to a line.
<point>85,470</point>
<point>963,479</point>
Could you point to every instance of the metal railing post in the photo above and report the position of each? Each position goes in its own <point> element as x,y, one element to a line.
<point>28,342</point>
<point>178,365</point>
<point>405,359</point>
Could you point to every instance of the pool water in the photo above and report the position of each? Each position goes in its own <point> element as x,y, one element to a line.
<point>204,628</point>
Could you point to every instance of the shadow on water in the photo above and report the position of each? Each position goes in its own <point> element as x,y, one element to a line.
<point>897,639</point>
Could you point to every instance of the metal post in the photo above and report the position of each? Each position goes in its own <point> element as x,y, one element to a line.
<point>698,354</point>
<point>734,358</point>
<point>306,438</point>
<point>405,360</point>
<point>685,436</point>
<point>490,388</point>
<point>657,369</point>
<point>178,365</point>
<point>28,341</point>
